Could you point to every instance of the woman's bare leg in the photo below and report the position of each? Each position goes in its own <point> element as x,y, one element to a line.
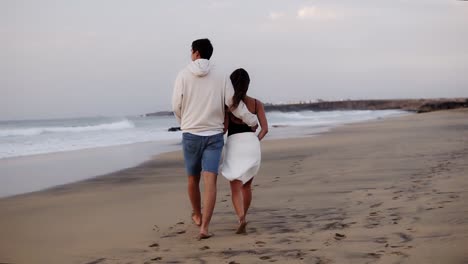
<point>238,203</point>
<point>237,200</point>
<point>247,195</point>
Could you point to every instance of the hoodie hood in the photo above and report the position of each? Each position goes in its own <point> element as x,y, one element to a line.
<point>200,67</point>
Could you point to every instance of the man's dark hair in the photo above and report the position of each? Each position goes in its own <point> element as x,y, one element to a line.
<point>204,47</point>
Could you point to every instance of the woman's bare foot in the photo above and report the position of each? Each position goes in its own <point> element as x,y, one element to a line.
<point>197,219</point>
<point>242,228</point>
<point>204,236</point>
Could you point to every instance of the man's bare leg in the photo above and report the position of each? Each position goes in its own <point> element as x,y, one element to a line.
<point>209,200</point>
<point>195,200</point>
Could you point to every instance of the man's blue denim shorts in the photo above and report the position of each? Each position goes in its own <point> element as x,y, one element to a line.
<point>202,153</point>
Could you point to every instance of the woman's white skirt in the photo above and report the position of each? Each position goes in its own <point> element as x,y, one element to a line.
<point>242,156</point>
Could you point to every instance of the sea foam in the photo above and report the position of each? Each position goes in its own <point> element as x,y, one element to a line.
<point>33,131</point>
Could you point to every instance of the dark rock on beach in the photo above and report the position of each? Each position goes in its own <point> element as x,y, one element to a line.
<point>173,129</point>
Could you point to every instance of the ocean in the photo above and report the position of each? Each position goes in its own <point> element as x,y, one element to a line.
<point>22,142</point>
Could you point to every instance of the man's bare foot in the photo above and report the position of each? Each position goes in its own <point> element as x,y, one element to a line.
<point>204,236</point>
<point>197,219</point>
<point>242,228</point>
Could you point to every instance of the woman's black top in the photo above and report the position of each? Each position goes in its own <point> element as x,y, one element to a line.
<point>235,128</point>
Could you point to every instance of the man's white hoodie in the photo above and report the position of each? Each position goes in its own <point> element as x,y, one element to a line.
<point>200,96</point>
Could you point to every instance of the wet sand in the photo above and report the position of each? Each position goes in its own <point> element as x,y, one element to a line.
<point>386,191</point>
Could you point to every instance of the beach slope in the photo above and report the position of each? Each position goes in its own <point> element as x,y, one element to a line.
<point>386,191</point>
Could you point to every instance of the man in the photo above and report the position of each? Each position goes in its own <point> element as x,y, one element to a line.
<point>199,100</point>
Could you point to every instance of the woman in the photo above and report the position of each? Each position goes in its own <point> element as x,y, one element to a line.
<point>242,150</point>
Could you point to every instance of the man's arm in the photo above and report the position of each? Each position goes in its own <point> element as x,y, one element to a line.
<point>177,98</point>
<point>241,111</point>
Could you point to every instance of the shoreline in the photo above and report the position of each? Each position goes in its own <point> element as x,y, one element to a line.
<point>61,168</point>
<point>391,191</point>
<point>131,155</point>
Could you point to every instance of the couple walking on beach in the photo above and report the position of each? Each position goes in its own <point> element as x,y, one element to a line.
<point>207,104</point>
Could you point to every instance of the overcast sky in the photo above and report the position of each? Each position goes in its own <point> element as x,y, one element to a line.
<point>112,58</point>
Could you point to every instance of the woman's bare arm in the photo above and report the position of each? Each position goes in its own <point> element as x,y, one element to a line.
<point>226,120</point>
<point>262,120</point>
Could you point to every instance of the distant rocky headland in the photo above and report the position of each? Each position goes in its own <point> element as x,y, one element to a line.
<point>161,113</point>
<point>413,105</point>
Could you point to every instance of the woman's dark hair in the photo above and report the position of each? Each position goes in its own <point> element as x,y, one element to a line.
<point>240,80</point>
<point>204,47</point>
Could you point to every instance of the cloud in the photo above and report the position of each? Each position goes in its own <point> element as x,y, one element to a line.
<point>276,15</point>
<point>220,4</point>
<point>313,12</point>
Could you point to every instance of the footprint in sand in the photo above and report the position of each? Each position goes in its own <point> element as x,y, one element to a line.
<point>298,216</point>
<point>405,237</point>
<point>374,255</point>
<point>204,248</point>
<point>335,225</point>
<point>373,220</point>
<point>416,218</point>
<point>399,253</point>
<point>381,240</point>
<point>92,262</point>
<point>339,236</point>
<point>396,246</point>
<point>173,234</point>
<point>395,217</point>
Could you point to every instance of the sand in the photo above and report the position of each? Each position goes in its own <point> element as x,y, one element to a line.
<point>386,191</point>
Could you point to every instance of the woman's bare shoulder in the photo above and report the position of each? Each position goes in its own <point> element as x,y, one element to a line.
<point>257,102</point>
<point>254,100</point>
